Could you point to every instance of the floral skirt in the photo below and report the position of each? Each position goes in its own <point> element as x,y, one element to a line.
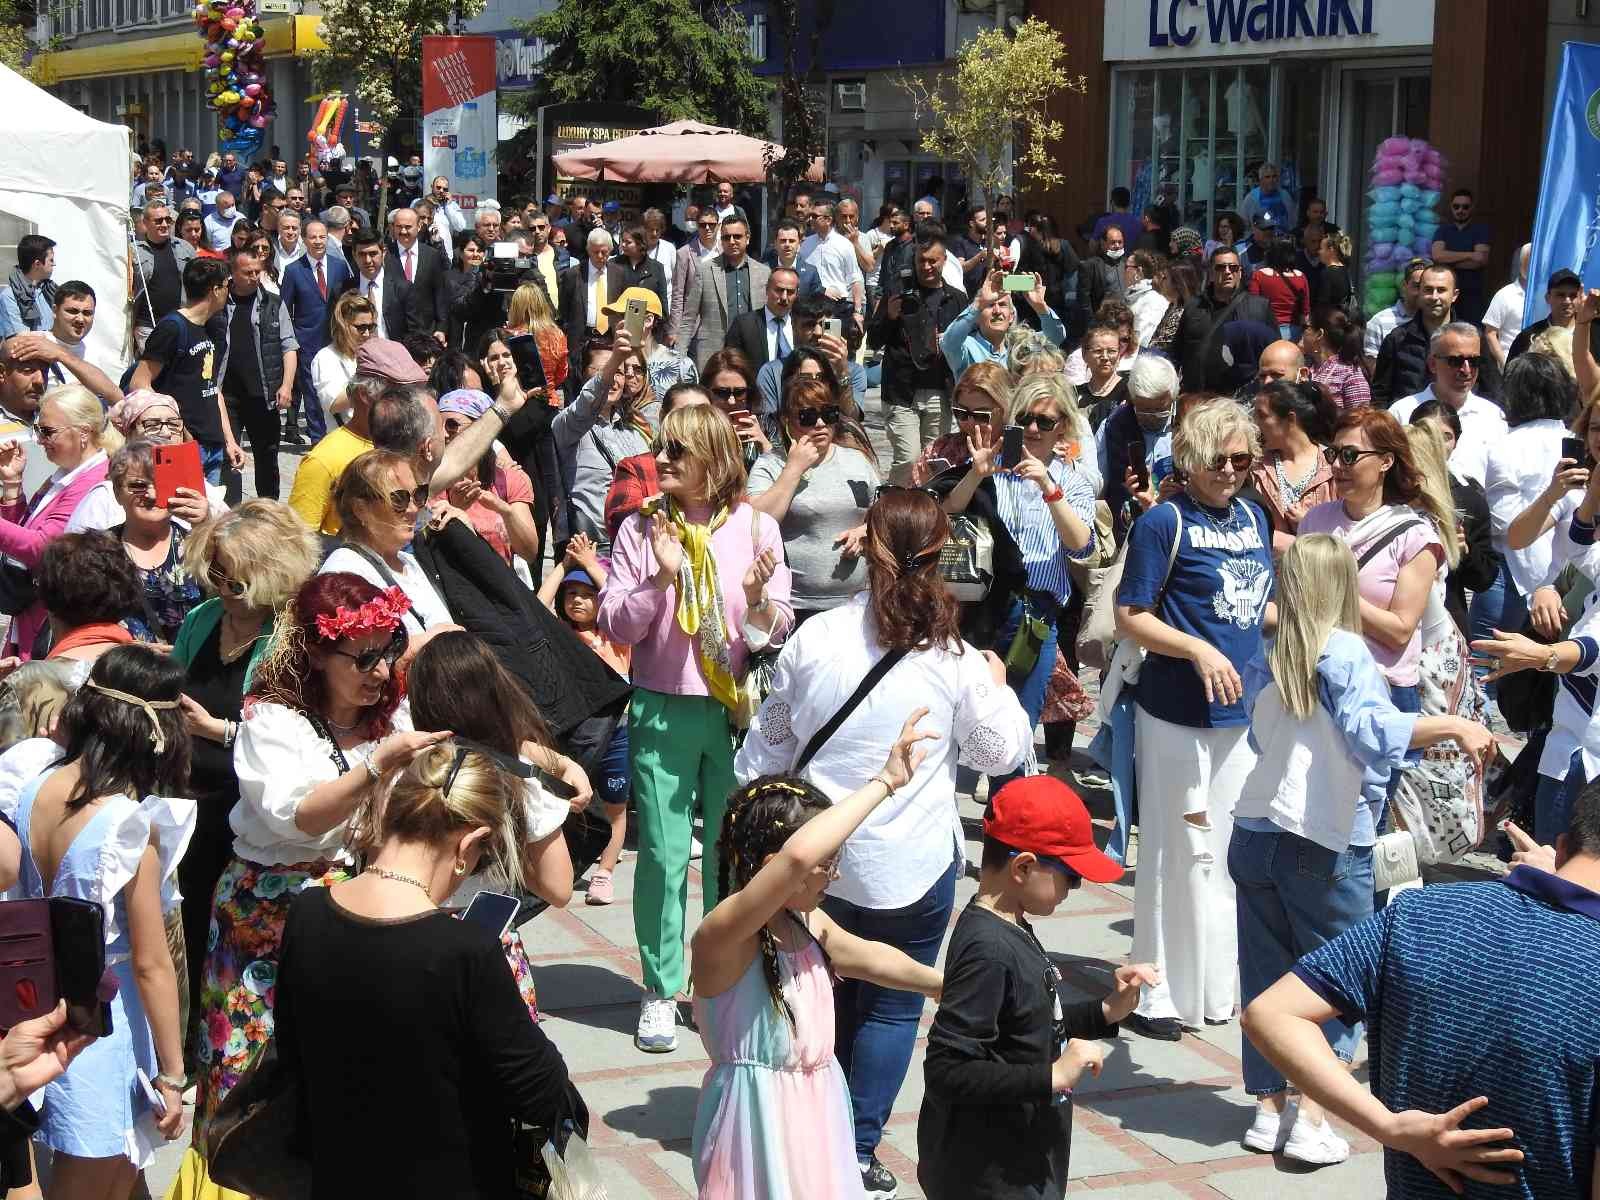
<point>248,913</point>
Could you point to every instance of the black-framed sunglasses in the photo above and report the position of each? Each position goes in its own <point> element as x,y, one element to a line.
<point>978,416</point>
<point>1045,424</point>
<point>364,327</point>
<point>675,450</point>
<point>506,762</point>
<point>1240,462</point>
<point>401,500</point>
<point>224,585</point>
<point>1074,880</point>
<point>1345,456</point>
<point>827,415</point>
<point>1463,360</point>
<point>884,489</point>
<point>367,661</point>
<point>730,393</point>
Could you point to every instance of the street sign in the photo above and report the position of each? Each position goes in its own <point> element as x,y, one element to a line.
<point>291,7</point>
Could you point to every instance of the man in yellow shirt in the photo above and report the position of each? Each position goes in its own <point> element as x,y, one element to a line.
<point>380,364</point>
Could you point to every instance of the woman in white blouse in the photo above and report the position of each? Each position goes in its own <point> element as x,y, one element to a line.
<point>352,321</point>
<point>324,719</point>
<point>898,871</point>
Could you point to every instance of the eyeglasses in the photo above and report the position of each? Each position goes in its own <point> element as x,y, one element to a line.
<point>730,393</point>
<point>884,489</point>
<point>708,224</point>
<point>364,327</point>
<point>1240,462</point>
<point>1346,456</point>
<point>222,583</point>
<point>1474,361</point>
<point>674,450</point>
<point>137,487</point>
<point>1045,424</point>
<point>401,500</point>
<point>1074,880</point>
<point>44,432</point>
<point>632,371</point>
<point>807,417</point>
<point>1225,268</point>
<point>979,416</point>
<point>367,660</point>
<point>154,426</point>
<point>160,220</point>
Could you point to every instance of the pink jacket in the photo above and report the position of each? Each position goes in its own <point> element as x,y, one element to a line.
<point>635,612</point>
<point>26,542</point>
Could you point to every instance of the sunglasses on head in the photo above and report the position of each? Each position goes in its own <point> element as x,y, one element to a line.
<point>980,416</point>
<point>367,661</point>
<point>401,500</point>
<point>506,762</point>
<point>1345,456</point>
<point>1045,424</point>
<point>1463,360</point>
<point>808,417</point>
<point>884,489</point>
<point>730,393</point>
<point>224,585</point>
<point>1240,462</point>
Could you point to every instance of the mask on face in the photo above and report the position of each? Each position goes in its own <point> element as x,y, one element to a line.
<point>1113,255</point>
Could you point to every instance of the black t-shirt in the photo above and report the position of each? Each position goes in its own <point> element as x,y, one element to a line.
<point>165,286</point>
<point>243,380</point>
<point>188,359</point>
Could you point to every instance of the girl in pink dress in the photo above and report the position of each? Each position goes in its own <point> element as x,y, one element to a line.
<point>774,1114</point>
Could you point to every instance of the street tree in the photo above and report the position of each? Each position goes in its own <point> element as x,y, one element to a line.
<point>801,95</point>
<point>997,102</point>
<point>377,45</point>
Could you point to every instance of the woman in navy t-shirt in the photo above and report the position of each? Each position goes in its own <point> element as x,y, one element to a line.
<point>1195,594</point>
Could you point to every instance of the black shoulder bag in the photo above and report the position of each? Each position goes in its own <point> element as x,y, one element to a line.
<point>818,739</point>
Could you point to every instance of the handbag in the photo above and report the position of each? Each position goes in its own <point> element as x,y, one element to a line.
<point>1394,861</point>
<point>760,666</point>
<point>966,560</point>
<point>1026,645</point>
<point>18,592</point>
<point>254,1134</point>
<point>555,1164</point>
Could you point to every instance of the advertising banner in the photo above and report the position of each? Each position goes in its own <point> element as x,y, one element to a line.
<point>1566,233</point>
<point>460,129</point>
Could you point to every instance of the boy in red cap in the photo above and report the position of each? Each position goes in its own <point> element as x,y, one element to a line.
<point>1003,1053</point>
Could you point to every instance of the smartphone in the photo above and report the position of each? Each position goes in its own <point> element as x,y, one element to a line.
<point>633,320</point>
<point>1575,449</point>
<point>493,910</point>
<point>158,1102</point>
<point>1136,460</point>
<point>1011,446</point>
<point>77,928</point>
<point>1018,283</point>
<point>833,327</point>
<point>177,467</point>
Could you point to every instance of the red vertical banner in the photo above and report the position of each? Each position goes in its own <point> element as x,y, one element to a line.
<point>460,120</point>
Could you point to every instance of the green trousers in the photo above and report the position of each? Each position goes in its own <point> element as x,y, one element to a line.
<point>681,751</point>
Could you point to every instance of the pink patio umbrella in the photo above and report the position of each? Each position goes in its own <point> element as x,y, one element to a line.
<point>680,152</point>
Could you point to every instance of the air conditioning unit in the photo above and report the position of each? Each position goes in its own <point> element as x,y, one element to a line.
<point>852,96</point>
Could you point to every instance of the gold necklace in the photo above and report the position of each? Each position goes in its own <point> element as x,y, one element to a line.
<point>385,873</point>
<point>232,656</point>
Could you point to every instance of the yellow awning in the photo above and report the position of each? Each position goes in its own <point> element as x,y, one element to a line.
<point>293,36</point>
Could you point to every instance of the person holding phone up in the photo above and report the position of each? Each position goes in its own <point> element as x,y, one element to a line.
<point>979,334</point>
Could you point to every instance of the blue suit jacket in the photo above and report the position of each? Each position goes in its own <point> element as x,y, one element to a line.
<point>810,281</point>
<point>307,309</point>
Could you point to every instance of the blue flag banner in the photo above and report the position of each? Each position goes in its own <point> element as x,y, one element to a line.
<point>1566,233</point>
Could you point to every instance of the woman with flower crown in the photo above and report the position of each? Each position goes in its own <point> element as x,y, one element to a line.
<point>325,718</point>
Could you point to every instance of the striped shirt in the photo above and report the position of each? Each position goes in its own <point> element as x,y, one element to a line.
<point>1027,518</point>
<point>1481,989</point>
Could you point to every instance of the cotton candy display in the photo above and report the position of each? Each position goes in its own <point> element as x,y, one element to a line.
<point>236,84</point>
<point>1402,217</point>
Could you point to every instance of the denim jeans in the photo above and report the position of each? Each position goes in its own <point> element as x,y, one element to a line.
<point>213,457</point>
<point>1552,803</point>
<point>875,1028</point>
<point>1293,895</point>
<point>1030,692</point>
<point>1498,606</point>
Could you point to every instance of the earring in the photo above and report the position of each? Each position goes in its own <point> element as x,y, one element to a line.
<point>460,867</point>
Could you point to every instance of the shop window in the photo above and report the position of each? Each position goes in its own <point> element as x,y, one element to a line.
<point>906,182</point>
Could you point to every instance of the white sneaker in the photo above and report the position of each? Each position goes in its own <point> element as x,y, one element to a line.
<point>695,849</point>
<point>1270,1130</point>
<point>658,1021</point>
<point>1317,1145</point>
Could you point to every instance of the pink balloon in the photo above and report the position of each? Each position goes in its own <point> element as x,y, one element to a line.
<point>258,122</point>
<point>252,89</point>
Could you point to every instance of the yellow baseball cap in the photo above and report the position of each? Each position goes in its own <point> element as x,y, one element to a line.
<point>619,306</point>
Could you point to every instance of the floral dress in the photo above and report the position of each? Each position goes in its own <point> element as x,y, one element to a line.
<point>169,593</point>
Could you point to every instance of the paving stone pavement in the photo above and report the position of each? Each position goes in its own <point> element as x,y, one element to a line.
<point>1162,1122</point>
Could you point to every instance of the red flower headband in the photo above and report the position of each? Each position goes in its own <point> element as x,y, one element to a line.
<point>383,612</point>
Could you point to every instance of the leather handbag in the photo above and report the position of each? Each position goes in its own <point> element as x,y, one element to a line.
<point>254,1134</point>
<point>18,592</point>
<point>967,559</point>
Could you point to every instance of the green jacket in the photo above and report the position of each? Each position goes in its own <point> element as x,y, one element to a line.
<point>201,623</point>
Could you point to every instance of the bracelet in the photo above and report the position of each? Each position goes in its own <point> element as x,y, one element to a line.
<point>1052,497</point>
<point>499,410</point>
<point>230,731</point>
<point>878,778</point>
<point>176,1082</point>
<point>372,769</point>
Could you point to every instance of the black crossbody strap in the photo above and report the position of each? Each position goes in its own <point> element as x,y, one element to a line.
<point>820,738</point>
<point>1387,536</point>
<point>326,734</point>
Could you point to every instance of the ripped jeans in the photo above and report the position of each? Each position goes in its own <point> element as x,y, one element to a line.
<point>1184,915</point>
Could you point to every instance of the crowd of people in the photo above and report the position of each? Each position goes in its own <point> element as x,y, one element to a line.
<point>600,554</point>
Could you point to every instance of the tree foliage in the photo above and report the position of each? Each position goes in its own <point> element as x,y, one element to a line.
<point>997,99</point>
<point>804,123</point>
<point>377,45</point>
<point>680,59</point>
<point>17,48</point>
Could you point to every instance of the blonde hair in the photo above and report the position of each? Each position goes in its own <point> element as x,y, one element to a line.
<point>707,434</point>
<point>1054,388</point>
<point>1031,352</point>
<point>989,380</point>
<point>1432,463</point>
<point>529,310</point>
<point>1206,429</point>
<point>30,698</point>
<point>1317,593</point>
<point>83,410</point>
<point>366,480</point>
<point>340,332</point>
<point>262,544</point>
<point>1557,343</point>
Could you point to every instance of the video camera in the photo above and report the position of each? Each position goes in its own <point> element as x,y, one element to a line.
<point>506,266</point>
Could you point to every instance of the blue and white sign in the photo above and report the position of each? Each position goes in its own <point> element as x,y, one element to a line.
<point>1141,30</point>
<point>1566,233</point>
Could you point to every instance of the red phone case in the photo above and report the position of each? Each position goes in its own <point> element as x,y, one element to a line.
<point>177,467</point>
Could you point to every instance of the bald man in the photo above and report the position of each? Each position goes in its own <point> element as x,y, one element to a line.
<point>1281,360</point>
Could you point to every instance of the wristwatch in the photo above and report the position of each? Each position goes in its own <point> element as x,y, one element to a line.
<point>1550,663</point>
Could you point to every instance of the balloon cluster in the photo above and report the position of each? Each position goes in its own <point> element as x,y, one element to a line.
<point>323,138</point>
<point>1402,217</point>
<point>236,84</point>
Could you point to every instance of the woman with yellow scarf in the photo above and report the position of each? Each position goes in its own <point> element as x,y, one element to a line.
<point>697,583</point>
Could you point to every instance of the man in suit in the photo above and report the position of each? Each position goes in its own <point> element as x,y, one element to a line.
<point>690,255</point>
<point>785,252</point>
<point>400,305</point>
<point>635,268</point>
<point>728,286</point>
<point>768,333</point>
<point>584,295</point>
<point>308,286</point>
<point>423,268</point>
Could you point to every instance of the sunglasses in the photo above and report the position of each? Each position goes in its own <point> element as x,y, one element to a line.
<point>1074,880</point>
<point>44,432</point>
<point>138,487</point>
<point>506,762</point>
<point>730,393</point>
<point>980,416</point>
<point>1346,456</point>
<point>1226,268</point>
<point>223,584</point>
<point>1045,424</point>
<point>155,425</point>
<point>1239,462</point>
<point>1458,361</point>
<point>674,450</point>
<point>807,417</point>
<point>365,327</point>
<point>401,500</point>
<point>367,660</point>
<point>884,489</point>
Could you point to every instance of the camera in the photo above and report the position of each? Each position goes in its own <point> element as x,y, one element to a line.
<point>505,266</point>
<point>910,301</point>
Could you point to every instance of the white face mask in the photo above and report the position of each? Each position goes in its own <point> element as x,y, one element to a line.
<point>1113,255</point>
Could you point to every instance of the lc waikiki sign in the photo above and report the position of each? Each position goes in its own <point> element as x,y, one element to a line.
<point>1161,28</point>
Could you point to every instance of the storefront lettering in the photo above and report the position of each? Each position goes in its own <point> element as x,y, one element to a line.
<point>1223,21</point>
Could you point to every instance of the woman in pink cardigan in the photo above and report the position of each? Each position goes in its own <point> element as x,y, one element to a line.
<point>697,582</point>
<point>75,435</point>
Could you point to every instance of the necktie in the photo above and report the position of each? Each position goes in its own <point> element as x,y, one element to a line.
<point>783,342</point>
<point>601,321</point>
<point>322,280</point>
<point>410,266</point>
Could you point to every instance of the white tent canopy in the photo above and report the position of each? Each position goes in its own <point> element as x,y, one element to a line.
<point>67,175</point>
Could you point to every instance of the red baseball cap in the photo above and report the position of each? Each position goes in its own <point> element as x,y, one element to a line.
<point>1041,814</point>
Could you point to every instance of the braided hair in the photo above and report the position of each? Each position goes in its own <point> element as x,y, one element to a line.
<point>761,817</point>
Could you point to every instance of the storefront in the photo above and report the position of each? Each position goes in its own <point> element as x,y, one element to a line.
<point>1204,92</point>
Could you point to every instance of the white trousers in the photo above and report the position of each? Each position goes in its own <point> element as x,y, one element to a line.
<point>1184,918</point>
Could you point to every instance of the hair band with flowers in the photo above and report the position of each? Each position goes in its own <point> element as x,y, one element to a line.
<point>383,612</point>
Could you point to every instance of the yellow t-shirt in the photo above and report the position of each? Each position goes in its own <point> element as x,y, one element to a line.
<point>312,494</point>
